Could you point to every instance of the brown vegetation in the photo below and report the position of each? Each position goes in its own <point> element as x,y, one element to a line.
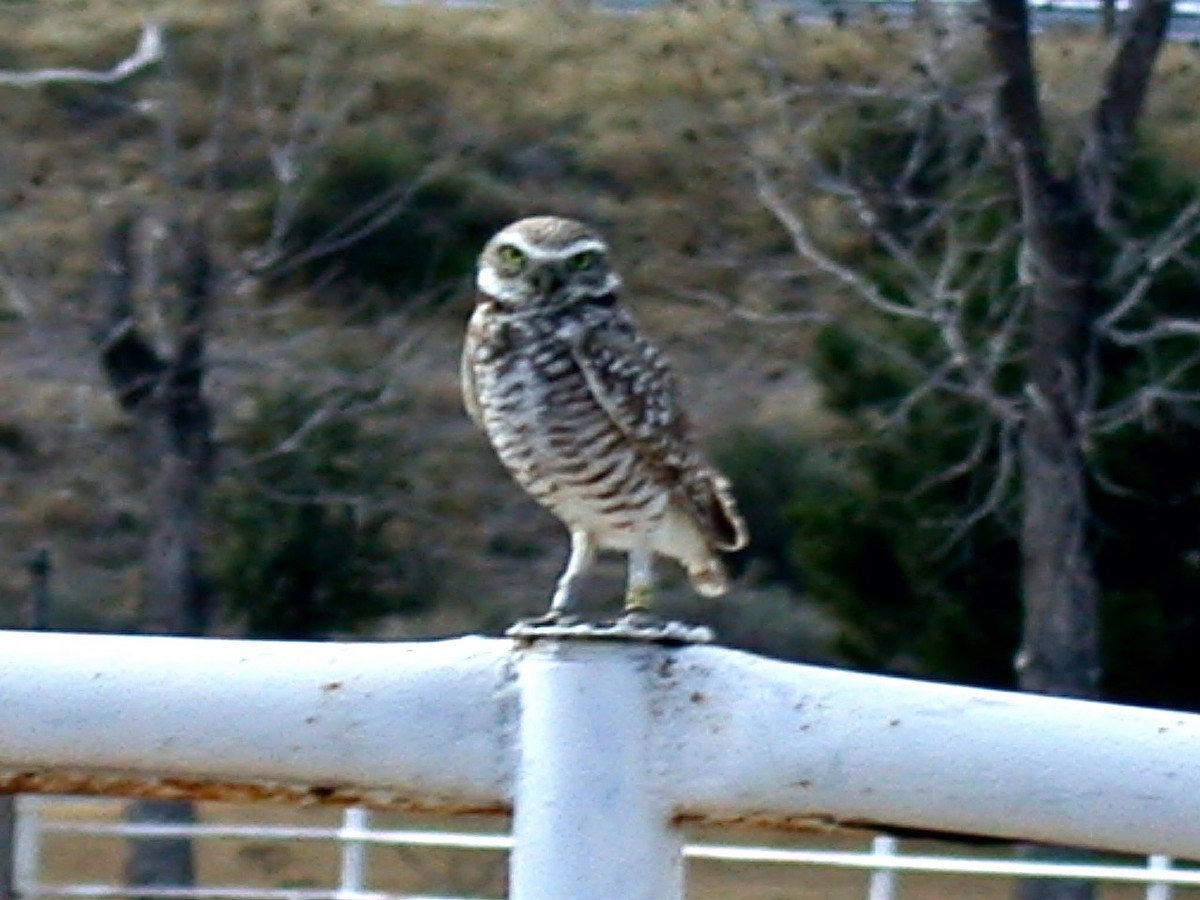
<point>638,124</point>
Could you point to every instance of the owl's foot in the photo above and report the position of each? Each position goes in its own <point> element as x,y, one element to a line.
<point>636,619</point>
<point>638,626</point>
<point>637,615</point>
<point>551,616</point>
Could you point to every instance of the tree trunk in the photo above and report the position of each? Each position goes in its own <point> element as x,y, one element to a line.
<point>176,598</point>
<point>1060,645</point>
<point>173,434</point>
<point>1059,651</point>
<point>1108,18</point>
<point>1060,648</point>
<point>1060,639</point>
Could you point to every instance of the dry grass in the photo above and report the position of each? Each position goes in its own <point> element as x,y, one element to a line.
<point>651,115</point>
<point>638,123</point>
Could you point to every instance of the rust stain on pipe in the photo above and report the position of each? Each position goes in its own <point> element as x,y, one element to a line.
<point>810,823</point>
<point>175,788</point>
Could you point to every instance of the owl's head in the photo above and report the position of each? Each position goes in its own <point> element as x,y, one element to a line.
<point>545,263</point>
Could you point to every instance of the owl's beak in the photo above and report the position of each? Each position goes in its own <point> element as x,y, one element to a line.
<point>548,279</point>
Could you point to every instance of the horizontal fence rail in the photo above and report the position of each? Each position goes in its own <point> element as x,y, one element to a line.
<point>425,725</point>
<point>357,831</point>
<point>602,746</point>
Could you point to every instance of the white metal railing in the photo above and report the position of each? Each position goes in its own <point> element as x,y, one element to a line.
<point>884,862</point>
<point>602,745</point>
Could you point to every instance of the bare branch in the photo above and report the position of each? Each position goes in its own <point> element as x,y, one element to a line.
<point>360,223</point>
<point>1018,108</point>
<point>149,52</point>
<point>1125,87</point>
<point>866,209</point>
<point>1161,330</point>
<point>1165,248</point>
<point>1137,405</point>
<point>309,132</point>
<point>1006,471</point>
<point>729,306</point>
<point>802,241</point>
<point>939,378</point>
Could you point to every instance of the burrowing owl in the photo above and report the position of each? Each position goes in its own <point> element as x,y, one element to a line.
<point>582,410</point>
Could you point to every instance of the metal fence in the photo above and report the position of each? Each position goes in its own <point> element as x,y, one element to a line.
<point>602,746</point>
<point>884,862</point>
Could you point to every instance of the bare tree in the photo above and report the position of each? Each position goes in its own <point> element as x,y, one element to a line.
<point>163,392</point>
<point>173,433</point>
<point>1077,287</point>
<point>1064,216</point>
<point>1069,294</point>
<point>160,269</point>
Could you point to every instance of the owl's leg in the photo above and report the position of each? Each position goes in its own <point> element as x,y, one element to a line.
<point>583,554</point>
<point>640,592</point>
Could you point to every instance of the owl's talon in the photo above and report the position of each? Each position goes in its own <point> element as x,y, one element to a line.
<point>550,617</point>
<point>639,617</point>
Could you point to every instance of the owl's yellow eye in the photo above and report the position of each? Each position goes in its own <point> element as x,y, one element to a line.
<point>588,259</point>
<point>510,257</point>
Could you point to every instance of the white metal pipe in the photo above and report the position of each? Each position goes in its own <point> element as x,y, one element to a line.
<point>27,848</point>
<point>1160,890</point>
<point>590,820</point>
<point>722,735</point>
<point>1159,871</point>
<point>883,879</point>
<point>392,837</point>
<point>761,739</point>
<point>946,865</point>
<point>425,724</point>
<point>352,878</point>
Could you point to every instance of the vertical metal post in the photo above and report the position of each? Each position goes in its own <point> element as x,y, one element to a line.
<point>1159,863</point>
<point>353,876</point>
<point>883,878</point>
<point>590,822</point>
<point>27,849</point>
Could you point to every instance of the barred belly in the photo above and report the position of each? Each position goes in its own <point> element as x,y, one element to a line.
<point>561,447</point>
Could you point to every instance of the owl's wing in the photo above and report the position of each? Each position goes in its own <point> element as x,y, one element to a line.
<point>632,382</point>
<point>470,390</point>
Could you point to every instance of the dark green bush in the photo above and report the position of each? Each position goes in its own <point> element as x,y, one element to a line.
<point>382,225</point>
<point>771,472</point>
<point>301,544</point>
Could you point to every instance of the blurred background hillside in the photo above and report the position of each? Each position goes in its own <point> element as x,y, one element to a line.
<point>349,160</point>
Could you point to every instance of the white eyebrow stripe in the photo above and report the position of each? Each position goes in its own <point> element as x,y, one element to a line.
<point>542,253</point>
<point>491,284</point>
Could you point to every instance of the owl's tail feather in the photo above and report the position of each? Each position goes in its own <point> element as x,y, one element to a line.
<point>709,577</point>
<point>721,527</point>
<point>725,526</point>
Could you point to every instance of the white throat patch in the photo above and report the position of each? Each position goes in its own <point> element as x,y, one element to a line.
<point>491,284</point>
